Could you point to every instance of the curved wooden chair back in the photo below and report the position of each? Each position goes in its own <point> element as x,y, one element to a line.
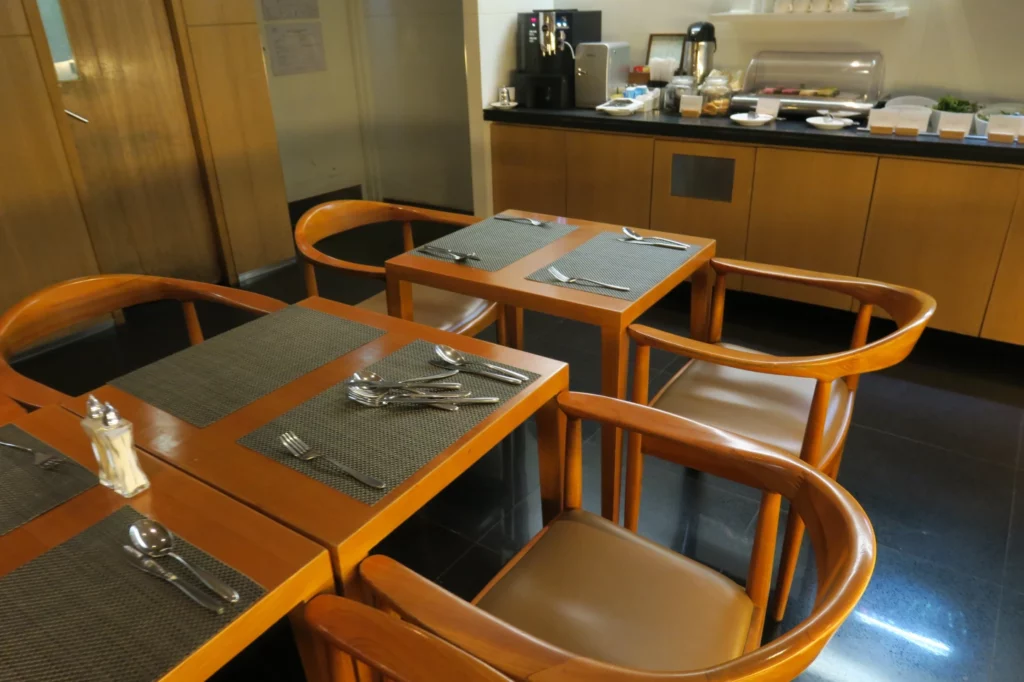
<point>9,410</point>
<point>65,305</point>
<point>841,534</point>
<point>335,217</point>
<point>398,650</point>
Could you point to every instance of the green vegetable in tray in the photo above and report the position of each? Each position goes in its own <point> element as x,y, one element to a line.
<point>960,106</point>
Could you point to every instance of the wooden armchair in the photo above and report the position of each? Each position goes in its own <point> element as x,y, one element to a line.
<point>589,601</point>
<point>65,305</point>
<point>9,410</point>
<point>433,307</point>
<point>401,652</point>
<point>799,405</point>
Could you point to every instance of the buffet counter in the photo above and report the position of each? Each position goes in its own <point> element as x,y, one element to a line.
<point>943,216</point>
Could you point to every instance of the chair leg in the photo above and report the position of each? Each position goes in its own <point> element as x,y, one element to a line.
<point>790,556</point>
<point>502,327</point>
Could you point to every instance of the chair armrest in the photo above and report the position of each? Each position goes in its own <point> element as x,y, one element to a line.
<point>26,391</point>
<point>9,410</point>
<point>436,610</point>
<point>907,306</point>
<point>430,215</point>
<point>311,254</point>
<point>400,651</point>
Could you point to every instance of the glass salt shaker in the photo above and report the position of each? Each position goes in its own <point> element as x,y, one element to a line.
<point>92,423</point>
<point>126,476</point>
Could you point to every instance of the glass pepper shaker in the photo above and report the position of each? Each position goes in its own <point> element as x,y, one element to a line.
<point>91,424</point>
<point>126,476</point>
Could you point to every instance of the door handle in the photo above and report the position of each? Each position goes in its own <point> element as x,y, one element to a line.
<point>75,116</point>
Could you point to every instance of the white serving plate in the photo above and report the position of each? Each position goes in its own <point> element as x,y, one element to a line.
<point>822,123</point>
<point>499,105</point>
<point>758,120</point>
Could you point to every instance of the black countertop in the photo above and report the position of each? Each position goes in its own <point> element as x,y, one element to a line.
<point>779,133</point>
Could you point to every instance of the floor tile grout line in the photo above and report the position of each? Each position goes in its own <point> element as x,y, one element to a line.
<point>462,556</point>
<point>974,458</point>
<point>995,634</point>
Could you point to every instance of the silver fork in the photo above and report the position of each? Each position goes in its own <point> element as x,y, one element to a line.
<point>457,256</point>
<point>41,459</point>
<point>562,277</point>
<point>297,448</point>
<point>518,219</point>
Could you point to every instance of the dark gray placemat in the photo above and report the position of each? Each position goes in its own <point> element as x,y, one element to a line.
<point>27,490</point>
<point>499,243</point>
<point>390,443</point>
<point>607,259</point>
<point>82,612</point>
<point>207,382</point>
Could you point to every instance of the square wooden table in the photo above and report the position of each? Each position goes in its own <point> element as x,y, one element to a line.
<point>290,567</point>
<point>346,527</point>
<point>511,287</point>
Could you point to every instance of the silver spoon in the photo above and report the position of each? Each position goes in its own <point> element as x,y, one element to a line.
<point>566,279</point>
<point>638,238</point>
<point>154,540</point>
<point>381,387</point>
<point>454,357</point>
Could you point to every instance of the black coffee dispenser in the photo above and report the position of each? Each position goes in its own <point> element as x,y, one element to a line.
<point>546,58</point>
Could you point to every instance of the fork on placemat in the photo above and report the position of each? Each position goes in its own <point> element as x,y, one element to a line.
<point>45,460</point>
<point>298,449</point>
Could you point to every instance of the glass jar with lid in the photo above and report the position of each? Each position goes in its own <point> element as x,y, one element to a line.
<point>680,85</point>
<point>717,96</point>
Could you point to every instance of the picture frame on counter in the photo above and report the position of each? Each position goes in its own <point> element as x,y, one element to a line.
<point>665,46</point>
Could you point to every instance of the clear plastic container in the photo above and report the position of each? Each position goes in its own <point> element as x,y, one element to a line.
<point>717,96</point>
<point>680,85</point>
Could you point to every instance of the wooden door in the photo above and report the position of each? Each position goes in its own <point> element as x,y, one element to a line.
<point>608,178</point>
<point>528,169</point>
<point>703,190</point>
<point>143,194</point>
<point>809,210</point>
<point>43,238</point>
<point>1004,320</point>
<point>940,227</point>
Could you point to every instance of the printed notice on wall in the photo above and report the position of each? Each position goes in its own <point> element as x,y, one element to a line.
<point>296,48</point>
<point>276,10</point>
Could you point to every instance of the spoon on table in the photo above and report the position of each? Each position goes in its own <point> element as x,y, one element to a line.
<point>375,381</point>
<point>457,359</point>
<point>154,540</point>
<point>638,238</point>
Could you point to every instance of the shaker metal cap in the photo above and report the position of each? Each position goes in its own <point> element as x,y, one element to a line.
<point>111,417</point>
<point>94,408</point>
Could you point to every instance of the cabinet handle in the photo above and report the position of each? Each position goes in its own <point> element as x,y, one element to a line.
<point>75,116</point>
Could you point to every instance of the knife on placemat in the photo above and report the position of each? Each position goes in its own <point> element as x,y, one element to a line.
<point>147,565</point>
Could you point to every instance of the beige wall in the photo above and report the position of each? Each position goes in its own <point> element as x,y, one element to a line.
<point>416,73</point>
<point>317,115</point>
<point>964,47</point>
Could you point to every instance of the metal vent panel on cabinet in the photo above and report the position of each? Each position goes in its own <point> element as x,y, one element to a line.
<point>528,169</point>
<point>940,227</point>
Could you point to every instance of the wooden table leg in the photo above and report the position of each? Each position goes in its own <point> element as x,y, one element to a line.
<point>399,294</point>
<point>352,587</point>
<point>551,459</point>
<point>614,362</point>
<point>320,661</point>
<point>700,302</point>
<point>513,326</point>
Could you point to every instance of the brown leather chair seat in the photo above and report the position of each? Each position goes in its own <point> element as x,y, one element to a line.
<point>770,408</point>
<point>445,310</point>
<point>600,591</point>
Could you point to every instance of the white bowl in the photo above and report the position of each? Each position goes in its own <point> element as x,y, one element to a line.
<point>758,120</point>
<point>822,123</point>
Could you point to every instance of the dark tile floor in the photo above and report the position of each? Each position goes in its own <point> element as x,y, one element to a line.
<point>934,456</point>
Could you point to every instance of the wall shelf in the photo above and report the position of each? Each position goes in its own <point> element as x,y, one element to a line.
<point>744,17</point>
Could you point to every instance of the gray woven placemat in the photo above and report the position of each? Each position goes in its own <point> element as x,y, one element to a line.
<point>389,443</point>
<point>499,243</point>
<point>207,382</point>
<point>81,612</point>
<point>27,490</point>
<point>607,259</point>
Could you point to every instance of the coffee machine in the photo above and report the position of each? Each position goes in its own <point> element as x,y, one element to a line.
<point>546,56</point>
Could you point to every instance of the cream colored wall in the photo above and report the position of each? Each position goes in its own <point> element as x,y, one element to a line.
<point>964,47</point>
<point>416,76</point>
<point>490,48</point>
<point>317,116</point>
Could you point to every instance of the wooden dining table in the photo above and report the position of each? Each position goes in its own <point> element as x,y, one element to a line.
<point>292,569</point>
<point>510,286</point>
<point>346,527</point>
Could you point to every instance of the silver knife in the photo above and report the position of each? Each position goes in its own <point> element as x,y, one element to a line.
<point>481,372</point>
<point>147,565</point>
<point>664,245</point>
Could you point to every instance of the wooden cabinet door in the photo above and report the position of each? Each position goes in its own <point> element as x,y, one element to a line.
<point>608,178</point>
<point>809,210</point>
<point>43,238</point>
<point>1004,319</point>
<point>528,169</point>
<point>703,190</point>
<point>940,227</point>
